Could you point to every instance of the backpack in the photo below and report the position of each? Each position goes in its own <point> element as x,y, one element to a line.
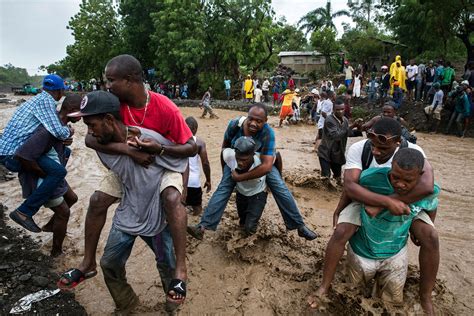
<point>235,126</point>
<point>367,155</point>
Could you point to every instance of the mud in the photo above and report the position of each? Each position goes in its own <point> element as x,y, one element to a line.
<point>24,270</point>
<point>274,270</point>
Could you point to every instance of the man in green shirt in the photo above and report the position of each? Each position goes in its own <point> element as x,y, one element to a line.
<point>379,247</point>
<point>448,78</point>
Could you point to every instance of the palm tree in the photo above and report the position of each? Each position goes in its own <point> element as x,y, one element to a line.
<point>320,17</point>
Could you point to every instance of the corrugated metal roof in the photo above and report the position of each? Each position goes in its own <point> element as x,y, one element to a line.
<point>299,53</point>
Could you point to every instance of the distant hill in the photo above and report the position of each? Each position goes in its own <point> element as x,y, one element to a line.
<point>11,76</point>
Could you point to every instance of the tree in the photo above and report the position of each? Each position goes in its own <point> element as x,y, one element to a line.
<point>362,45</point>
<point>179,39</point>
<point>364,12</point>
<point>59,68</point>
<point>324,41</point>
<point>138,27</point>
<point>320,17</point>
<point>437,23</point>
<point>13,76</point>
<point>97,37</point>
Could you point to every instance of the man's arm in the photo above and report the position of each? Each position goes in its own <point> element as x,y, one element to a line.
<point>259,171</point>
<point>356,192</point>
<point>45,112</point>
<point>151,146</point>
<point>206,166</point>
<point>140,157</point>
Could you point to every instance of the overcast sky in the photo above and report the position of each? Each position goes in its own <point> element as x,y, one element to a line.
<point>33,32</point>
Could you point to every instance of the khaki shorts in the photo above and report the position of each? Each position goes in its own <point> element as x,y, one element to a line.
<point>436,113</point>
<point>112,186</point>
<point>351,214</point>
<point>390,273</point>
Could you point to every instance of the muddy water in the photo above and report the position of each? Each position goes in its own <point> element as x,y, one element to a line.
<point>272,271</point>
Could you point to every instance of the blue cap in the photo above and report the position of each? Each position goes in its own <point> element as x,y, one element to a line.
<point>53,82</point>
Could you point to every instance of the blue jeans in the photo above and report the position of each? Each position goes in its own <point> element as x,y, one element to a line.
<point>10,163</point>
<point>286,203</point>
<point>116,253</point>
<point>55,174</point>
<point>227,93</point>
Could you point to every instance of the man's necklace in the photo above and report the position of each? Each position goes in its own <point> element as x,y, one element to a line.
<point>144,114</point>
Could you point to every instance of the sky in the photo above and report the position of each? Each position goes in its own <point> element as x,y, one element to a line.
<point>33,32</point>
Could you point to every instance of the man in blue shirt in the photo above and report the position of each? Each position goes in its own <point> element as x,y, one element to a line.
<point>39,110</point>
<point>255,126</point>
<point>227,87</point>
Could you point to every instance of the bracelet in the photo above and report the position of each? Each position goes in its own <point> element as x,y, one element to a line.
<point>162,151</point>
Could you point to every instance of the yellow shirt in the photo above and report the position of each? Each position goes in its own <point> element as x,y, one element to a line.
<point>288,97</point>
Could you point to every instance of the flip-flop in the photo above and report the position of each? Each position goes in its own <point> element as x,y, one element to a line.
<point>74,278</point>
<point>179,287</point>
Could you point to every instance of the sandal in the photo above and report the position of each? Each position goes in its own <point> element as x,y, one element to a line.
<point>74,277</point>
<point>179,288</point>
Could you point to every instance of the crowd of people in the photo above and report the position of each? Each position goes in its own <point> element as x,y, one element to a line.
<point>155,160</point>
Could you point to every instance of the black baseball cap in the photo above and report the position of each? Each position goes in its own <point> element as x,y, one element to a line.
<point>97,102</point>
<point>245,145</point>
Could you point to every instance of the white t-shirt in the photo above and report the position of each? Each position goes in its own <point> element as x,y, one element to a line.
<point>266,85</point>
<point>249,187</point>
<point>412,71</point>
<point>349,70</point>
<point>326,107</point>
<point>258,95</point>
<point>354,156</point>
<point>438,99</point>
<point>194,179</point>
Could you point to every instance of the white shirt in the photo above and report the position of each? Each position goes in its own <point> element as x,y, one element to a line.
<point>194,179</point>
<point>438,97</point>
<point>412,71</point>
<point>258,95</point>
<point>326,107</point>
<point>266,85</point>
<point>249,187</point>
<point>349,70</point>
<point>354,156</point>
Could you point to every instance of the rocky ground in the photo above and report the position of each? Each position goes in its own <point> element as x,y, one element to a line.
<point>24,270</point>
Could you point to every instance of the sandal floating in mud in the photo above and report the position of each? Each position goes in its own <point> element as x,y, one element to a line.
<point>74,277</point>
<point>179,288</point>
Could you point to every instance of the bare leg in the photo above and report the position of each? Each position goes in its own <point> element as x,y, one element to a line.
<point>334,252</point>
<point>61,217</point>
<point>95,220</point>
<point>177,221</point>
<point>429,261</point>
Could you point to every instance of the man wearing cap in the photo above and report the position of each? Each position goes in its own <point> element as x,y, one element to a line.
<point>141,210</point>
<point>255,126</point>
<point>153,111</point>
<point>462,109</point>
<point>384,84</point>
<point>39,110</point>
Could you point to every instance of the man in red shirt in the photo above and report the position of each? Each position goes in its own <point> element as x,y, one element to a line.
<point>154,111</point>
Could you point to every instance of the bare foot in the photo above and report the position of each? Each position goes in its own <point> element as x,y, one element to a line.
<point>427,306</point>
<point>318,299</point>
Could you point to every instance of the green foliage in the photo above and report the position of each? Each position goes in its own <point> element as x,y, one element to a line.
<point>365,13</point>
<point>59,68</point>
<point>138,27</point>
<point>359,112</point>
<point>179,39</point>
<point>362,45</point>
<point>13,76</point>
<point>437,23</point>
<point>320,17</point>
<point>324,41</point>
<point>97,35</point>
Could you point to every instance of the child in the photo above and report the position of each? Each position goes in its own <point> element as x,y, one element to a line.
<point>194,191</point>
<point>258,94</point>
<point>206,104</point>
<point>434,110</point>
<point>397,95</point>
<point>251,194</point>
<point>378,249</point>
<point>372,87</point>
<point>295,105</point>
<point>40,143</point>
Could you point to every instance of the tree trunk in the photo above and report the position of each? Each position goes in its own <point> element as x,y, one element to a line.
<point>469,47</point>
